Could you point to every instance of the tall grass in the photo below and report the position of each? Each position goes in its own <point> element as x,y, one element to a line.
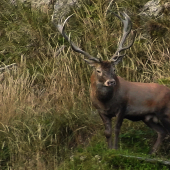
<point>45,107</point>
<point>41,119</point>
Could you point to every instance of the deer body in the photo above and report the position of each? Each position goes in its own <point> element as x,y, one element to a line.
<point>136,98</point>
<point>113,96</point>
<point>145,98</point>
<point>147,102</point>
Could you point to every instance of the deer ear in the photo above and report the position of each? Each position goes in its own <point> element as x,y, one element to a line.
<point>92,62</point>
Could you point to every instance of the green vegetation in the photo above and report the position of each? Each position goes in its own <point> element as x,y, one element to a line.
<point>46,117</point>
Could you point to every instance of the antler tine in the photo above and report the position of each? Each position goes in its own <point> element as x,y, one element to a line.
<point>127,26</point>
<point>61,29</point>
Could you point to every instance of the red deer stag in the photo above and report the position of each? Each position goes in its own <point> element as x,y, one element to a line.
<point>113,96</point>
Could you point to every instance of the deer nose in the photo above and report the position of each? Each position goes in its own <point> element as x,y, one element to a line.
<point>110,82</point>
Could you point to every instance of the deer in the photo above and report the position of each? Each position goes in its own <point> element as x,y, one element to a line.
<point>113,96</point>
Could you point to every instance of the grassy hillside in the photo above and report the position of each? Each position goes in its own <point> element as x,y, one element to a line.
<point>46,117</point>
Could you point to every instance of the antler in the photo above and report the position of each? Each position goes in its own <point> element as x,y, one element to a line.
<point>117,57</point>
<point>61,28</point>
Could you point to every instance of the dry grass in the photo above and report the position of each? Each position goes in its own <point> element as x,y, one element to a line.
<point>37,118</point>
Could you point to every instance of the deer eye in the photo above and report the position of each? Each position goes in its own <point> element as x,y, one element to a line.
<point>98,71</point>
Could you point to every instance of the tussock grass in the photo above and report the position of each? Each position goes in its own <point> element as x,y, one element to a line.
<point>45,107</point>
<point>47,118</point>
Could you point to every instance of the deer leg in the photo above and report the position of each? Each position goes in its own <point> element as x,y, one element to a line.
<point>108,129</point>
<point>166,123</point>
<point>117,130</point>
<point>160,131</point>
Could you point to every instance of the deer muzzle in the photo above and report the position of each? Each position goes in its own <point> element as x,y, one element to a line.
<point>110,82</point>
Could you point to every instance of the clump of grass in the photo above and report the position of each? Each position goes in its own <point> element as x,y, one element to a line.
<point>42,119</point>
